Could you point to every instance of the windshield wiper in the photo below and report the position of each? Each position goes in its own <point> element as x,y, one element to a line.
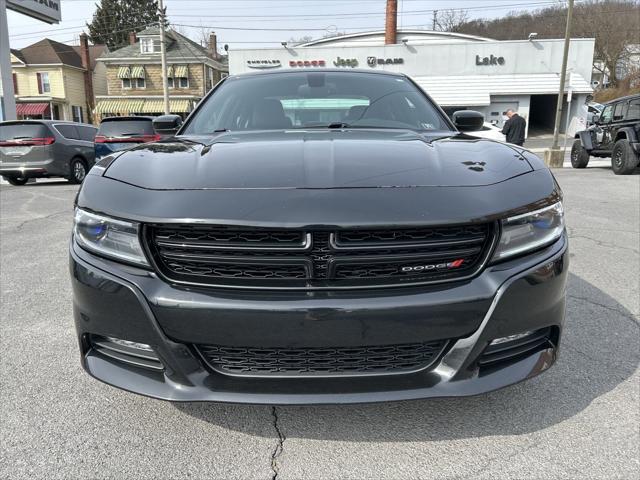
<point>330,125</point>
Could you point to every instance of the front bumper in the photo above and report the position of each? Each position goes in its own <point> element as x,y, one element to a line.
<point>114,300</point>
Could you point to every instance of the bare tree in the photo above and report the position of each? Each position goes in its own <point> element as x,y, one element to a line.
<point>616,27</point>
<point>450,20</point>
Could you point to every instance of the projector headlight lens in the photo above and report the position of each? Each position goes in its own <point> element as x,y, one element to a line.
<point>530,231</point>
<point>109,237</point>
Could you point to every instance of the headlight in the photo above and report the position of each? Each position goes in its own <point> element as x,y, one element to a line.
<point>529,231</point>
<point>107,236</point>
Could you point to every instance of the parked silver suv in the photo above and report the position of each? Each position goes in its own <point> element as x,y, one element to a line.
<point>45,148</point>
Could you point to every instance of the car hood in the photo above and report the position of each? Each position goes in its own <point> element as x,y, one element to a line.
<point>317,160</point>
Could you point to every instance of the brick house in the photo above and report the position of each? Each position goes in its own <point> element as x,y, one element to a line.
<point>57,81</point>
<point>134,74</point>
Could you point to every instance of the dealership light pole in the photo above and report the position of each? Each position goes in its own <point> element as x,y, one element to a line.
<point>163,58</point>
<point>555,157</point>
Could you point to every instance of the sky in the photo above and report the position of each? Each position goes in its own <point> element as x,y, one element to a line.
<point>266,23</point>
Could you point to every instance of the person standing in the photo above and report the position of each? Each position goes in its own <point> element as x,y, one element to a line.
<point>514,128</point>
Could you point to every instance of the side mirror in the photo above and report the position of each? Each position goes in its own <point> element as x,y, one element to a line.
<point>596,119</point>
<point>167,124</point>
<point>468,120</point>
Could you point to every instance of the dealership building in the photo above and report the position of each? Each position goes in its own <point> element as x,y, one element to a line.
<point>458,71</point>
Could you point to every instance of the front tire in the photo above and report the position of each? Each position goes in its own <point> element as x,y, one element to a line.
<point>579,156</point>
<point>623,159</point>
<point>17,181</point>
<point>78,170</point>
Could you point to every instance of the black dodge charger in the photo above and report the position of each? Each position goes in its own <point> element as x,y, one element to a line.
<point>318,236</point>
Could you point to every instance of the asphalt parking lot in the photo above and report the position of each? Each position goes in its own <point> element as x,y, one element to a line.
<point>579,420</point>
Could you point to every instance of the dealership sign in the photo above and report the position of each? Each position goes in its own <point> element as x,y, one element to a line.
<point>307,63</point>
<point>263,63</point>
<point>373,61</point>
<point>46,10</point>
<point>490,60</point>
<point>346,62</point>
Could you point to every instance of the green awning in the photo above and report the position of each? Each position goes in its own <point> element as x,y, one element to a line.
<point>169,71</point>
<point>181,71</point>
<point>124,72</point>
<point>120,105</point>
<point>157,106</point>
<point>137,71</point>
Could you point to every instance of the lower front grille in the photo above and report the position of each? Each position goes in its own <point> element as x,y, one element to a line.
<point>318,361</point>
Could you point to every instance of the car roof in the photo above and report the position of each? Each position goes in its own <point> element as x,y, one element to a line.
<point>353,71</point>
<point>130,117</point>
<point>46,122</point>
<point>623,99</point>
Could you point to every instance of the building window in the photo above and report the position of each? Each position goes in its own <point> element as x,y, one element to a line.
<point>15,83</point>
<point>126,83</point>
<point>178,82</point>
<point>147,45</point>
<point>140,83</point>
<point>76,112</point>
<point>44,86</point>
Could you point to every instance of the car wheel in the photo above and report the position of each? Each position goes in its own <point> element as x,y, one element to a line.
<point>579,156</point>
<point>623,159</point>
<point>78,170</point>
<point>17,181</point>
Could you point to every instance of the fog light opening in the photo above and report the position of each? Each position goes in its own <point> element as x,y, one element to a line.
<point>511,338</point>
<point>130,344</point>
<point>127,351</point>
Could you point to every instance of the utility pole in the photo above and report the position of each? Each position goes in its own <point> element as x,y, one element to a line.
<point>163,58</point>
<point>435,20</point>
<point>7,99</point>
<point>554,157</point>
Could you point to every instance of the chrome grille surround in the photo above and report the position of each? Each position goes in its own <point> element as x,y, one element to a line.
<point>299,259</point>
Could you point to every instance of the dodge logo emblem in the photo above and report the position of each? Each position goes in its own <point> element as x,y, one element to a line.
<point>432,266</point>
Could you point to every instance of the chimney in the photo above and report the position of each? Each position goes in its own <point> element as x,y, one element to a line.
<point>213,45</point>
<point>132,38</point>
<point>88,75</point>
<point>391,22</point>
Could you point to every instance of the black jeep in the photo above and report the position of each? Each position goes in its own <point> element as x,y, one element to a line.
<point>615,133</point>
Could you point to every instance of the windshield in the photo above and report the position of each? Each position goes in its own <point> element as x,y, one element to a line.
<point>123,128</point>
<point>17,131</point>
<point>303,100</point>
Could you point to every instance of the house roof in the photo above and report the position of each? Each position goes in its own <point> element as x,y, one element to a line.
<point>179,47</point>
<point>95,51</point>
<point>17,54</point>
<point>48,51</point>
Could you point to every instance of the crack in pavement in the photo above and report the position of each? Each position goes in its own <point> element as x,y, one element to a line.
<point>600,243</point>
<point>277,451</point>
<point>46,217</point>
<point>631,316</point>
<point>613,366</point>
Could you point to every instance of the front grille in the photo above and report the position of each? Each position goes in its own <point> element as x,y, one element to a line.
<point>370,360</point>
<point>315,259</point>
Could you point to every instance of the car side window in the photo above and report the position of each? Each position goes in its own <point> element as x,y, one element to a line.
<point>606,114</point>
<point>618,111</point>
<point>68,131</point>
<point>633,112</point>
<point>88,134</point>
